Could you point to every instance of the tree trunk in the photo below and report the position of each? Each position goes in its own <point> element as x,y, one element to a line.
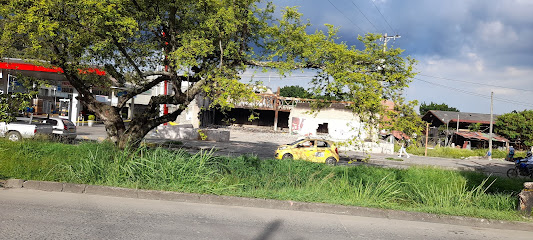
<point>133,136</point>
<point>113,122</point>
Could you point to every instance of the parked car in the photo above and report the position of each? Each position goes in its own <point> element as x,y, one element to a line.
<point>314,150</point>
<point>23,128</point>
<point>62,128</point>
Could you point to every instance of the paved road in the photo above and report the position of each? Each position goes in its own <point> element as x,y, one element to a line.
<point>263,145</point>
<point>32,214</point>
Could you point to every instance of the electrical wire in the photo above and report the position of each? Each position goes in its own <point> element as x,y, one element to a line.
<point>504,100</point>
<point>365,16</point>
<point>395,33</point>
<point>277,76</point>
<point>463,81</point>
<point>345,16</point>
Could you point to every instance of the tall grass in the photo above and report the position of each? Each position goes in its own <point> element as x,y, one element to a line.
<point>449,152</point>
<point>415,189</point>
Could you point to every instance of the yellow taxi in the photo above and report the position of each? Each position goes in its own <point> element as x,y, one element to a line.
<point>314,150</point>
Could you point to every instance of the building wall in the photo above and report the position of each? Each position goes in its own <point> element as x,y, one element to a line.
<point>342,124</point>
<point>343,127</point>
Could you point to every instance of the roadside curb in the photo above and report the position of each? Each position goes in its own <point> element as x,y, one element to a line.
<point>263,203</point>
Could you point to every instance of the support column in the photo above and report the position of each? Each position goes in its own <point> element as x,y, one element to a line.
<point>276,106</point>
<point>75,107</point>
<point>131,108</point>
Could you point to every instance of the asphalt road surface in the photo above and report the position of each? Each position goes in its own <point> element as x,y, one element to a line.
<point>32,214</point>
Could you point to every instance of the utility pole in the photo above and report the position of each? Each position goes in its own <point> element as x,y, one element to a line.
<point>427,135</point>
<point>387,39</point>
<point>490,128</point>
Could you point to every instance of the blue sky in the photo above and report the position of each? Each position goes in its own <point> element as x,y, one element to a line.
<point>465,48</point>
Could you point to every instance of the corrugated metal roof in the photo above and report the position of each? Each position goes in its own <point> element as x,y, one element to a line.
<point>449,116</point>
<point>399,134</point>
<point>481,136</point>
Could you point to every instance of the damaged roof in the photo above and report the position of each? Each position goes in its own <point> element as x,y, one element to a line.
<point>449,116</point>
<point>481,136</point>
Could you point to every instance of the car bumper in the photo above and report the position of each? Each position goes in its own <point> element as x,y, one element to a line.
<point>67,135</point>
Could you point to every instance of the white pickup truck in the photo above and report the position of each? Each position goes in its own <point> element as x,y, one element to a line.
<point>23,128</point>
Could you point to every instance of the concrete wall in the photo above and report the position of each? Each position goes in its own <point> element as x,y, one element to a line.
<point>187,132</point>
<point>342,124</point>
<point>343,127</point>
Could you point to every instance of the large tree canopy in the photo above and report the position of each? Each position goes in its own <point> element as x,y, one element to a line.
<point>516,126</point>
<point>206,45</point>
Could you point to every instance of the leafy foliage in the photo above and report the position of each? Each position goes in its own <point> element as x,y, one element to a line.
<point>294,91</point>
<point>424,108</point>
<point>516,125</point>
<point>404,118</point>
<point>474,127</point>
<point>11,104</point>
<point>206,45</point>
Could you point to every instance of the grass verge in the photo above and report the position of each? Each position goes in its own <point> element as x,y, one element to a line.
<point>422,189</point>
<point>449,152</point>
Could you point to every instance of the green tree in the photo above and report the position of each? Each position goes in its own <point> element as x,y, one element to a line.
<point>206,45</point>
<point>424,108</point>
<point>13,103</point>
<point>516,125</point>
<point>474,127</point>
<point>294,91</point>
<point>404,118</point>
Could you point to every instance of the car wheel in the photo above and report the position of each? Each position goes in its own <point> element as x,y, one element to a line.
<point>512,173</point>
<point>287,156</point>
<point>331,161</point>
<point>14,136</point>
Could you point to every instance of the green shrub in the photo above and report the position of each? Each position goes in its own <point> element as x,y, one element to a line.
<point>449,152</point>
<point>424,189</point>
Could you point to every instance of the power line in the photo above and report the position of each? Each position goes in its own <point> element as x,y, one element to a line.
<point>297,76</point>
<point>504,100</point>
<point>485,84</point>
<point>384,17</point>
<point>365,16</point>
<point>345,16</point>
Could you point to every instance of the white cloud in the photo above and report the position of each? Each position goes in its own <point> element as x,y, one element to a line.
<point>496,34</point>
<point>461,83</point>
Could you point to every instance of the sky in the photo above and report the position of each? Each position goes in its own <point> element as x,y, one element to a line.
<point>465,49</point>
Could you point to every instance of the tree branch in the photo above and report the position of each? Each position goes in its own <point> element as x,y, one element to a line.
<point>136,91</point>
<point>192,92</point>
<point>126,55</point>
<point>273,63</point>
<point>116,77</point>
